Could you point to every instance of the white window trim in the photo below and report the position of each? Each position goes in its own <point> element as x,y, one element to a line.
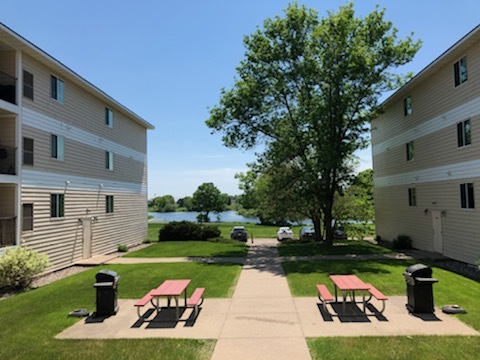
<point>108,117</point>
<point>109,165</point>
<point>60,90</point>
<point>60,147</point>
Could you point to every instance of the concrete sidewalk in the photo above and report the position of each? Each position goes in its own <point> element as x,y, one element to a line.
<point>262,320</point>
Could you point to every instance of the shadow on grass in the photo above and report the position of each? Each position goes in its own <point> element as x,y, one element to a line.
<point>192,249</point>
<point>343,247</point>
<point>342,267</point>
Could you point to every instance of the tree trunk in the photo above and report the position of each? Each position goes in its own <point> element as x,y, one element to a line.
<point>317,225</point>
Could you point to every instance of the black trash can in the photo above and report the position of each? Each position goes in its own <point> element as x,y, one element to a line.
<point>419,289</point>
<point>107,287</point>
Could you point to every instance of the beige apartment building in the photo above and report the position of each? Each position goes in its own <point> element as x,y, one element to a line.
<point>73,161</point>
<point>426,156</point>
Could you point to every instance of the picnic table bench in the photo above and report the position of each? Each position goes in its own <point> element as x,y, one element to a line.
<point>377,294</point>
<point>324,295</point>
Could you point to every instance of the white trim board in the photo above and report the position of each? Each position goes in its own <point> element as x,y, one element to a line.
<point>457,171</point>
<point>48,180</point>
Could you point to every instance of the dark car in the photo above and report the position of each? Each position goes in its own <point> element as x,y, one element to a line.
<point>307,233</point>
<point>239,233</point>
<point>339,233</point>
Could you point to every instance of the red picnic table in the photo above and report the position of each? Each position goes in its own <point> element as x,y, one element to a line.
<point>169,289</point>
<point>348,284</point>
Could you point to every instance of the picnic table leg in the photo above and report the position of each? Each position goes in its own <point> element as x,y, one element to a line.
<point>176,303</point>
<point>344,295</point>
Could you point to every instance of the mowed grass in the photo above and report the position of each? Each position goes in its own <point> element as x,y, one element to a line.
<point>257,230</point>
<point>192,249</point>
<point>340,247</point>
<point>395,348</point>
<point>31,320</point>
<point>387,276</point>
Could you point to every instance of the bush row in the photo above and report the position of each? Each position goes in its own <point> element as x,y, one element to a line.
<point>186,230</point>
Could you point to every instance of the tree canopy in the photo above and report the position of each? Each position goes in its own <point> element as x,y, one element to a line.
<point>208,198</point>
<point>306,91</point>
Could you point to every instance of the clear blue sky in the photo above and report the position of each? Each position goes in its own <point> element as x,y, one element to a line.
<point>168,60</point>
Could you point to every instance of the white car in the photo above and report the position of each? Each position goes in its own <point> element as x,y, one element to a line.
<point>284,233</point>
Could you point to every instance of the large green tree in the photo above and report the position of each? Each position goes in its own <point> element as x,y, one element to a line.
<point>307,90</point>
<point>208,198</point>
<point>164,203</point>
<point>356,203</point>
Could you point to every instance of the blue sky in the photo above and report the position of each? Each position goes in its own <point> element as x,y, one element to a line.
<point>168,60</point>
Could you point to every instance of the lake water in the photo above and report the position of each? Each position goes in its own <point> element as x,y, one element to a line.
<point>225,216</point>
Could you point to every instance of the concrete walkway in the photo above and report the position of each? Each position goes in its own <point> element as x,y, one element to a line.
<point>262,322</point>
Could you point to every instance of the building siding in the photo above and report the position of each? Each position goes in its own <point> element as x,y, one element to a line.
<point>439,165</point>
<point>62,238</point>
<point>81,176</point>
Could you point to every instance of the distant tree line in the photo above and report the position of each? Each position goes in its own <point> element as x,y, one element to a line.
<point>206,199</point>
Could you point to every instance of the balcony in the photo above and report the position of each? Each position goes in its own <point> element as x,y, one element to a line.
<point>7,88</point>
<point>7,231</point>
<point>7,160</point>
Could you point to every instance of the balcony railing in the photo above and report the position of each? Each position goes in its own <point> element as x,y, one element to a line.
<point>7,160</point>
<point>7,87</point>
<point>7,231</point>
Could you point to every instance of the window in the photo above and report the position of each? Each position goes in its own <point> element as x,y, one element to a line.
<point>57,205</point>
<point>27,85</point>
<point>410,151</point>
<point>27,151</point>
<point>27,215</point>
<point>108,117</point>
<point>109,204</point>
<point>464,133</point>
<point>56,86</point>
<point>460,71</point>
<point>407,106</point>
<point>412,197</point>
<point>466,196</point>
<point>109,160</point>
<point>57,144</point>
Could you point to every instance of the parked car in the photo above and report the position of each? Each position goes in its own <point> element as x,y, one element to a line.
<point>284,233</point>
<point>307,233</point>
<point>239,233</point>
<point>339,233</point>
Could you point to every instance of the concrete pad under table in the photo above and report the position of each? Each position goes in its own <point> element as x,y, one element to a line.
<point>395,321</point>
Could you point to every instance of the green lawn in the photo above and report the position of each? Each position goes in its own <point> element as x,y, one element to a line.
<point>387,276</point>
<point>258,231</point>
<point>192,249</point>
<point>31,320</point>
<point>341,247</point>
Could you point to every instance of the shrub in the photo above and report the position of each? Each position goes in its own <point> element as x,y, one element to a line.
<point>210,232</point>
<point>402,242</point>
<point>122,248</point>
<point>186,230</point>
<point>18,267</point>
